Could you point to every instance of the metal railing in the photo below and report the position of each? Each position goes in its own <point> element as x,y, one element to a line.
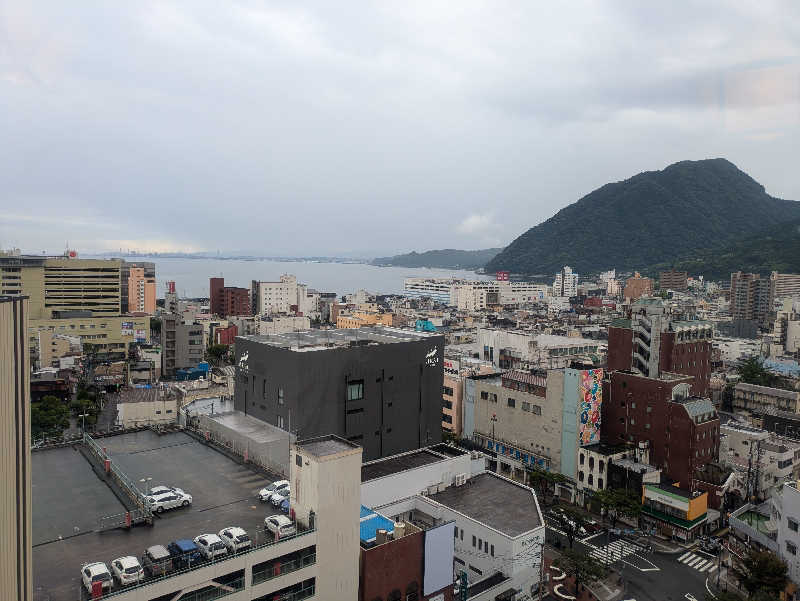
<point>121,478</point>
<point>269,573</point>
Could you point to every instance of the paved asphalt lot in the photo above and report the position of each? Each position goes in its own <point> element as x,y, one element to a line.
<point>648,576</point>
<point>67,492</point>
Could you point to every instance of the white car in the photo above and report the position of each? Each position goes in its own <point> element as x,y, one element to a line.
<point>162,490</point>
<point>210,545</point>
<point>169,500</point>
<point>235,539</point>
<point>265,493</point>
<point>127,570</point>
<point>96,572</point>
<point>280,525</point>
<point>279,496</point>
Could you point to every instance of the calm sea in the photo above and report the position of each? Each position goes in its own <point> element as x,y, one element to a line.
<point>191,275</point>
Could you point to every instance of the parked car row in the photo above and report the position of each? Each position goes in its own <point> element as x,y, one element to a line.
<point>159,560</point>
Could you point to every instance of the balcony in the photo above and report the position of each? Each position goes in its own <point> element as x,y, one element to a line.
<point>754,524</point>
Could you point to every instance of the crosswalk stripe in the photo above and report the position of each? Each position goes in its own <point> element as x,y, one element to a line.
<point>690,558</point>
<point>701,566</point>
<point>712,568</point>
<point>685,555</point>
<point>694,561</point>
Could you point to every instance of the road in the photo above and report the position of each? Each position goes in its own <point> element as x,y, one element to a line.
<point>649,576</point>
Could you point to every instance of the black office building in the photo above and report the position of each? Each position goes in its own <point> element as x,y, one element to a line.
<point>379,387</point>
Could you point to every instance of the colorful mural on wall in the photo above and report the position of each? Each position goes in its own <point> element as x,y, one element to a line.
<point>590,397</point>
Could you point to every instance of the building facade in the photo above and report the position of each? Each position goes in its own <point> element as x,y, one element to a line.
<point>673,280</point>
<point>751,298</point>
<point>141,292</point>
<point>379,387</point>
<point>637,287</point>
<point>517,349</point>
<point>764,399</point>
<point>283,296</point>
<point>228,300</point>
<point>181,345</point>
<point>16,546</point>
<point>565,283</point>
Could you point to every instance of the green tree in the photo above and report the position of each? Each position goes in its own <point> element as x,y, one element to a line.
<point>217,354</point>
<point>584,568</point>
<point>49,417</point>
<point>616,503</point>
<point>761,572</point>
<point>571,522</point>
<point>752,371</point>
<point>155,325</point>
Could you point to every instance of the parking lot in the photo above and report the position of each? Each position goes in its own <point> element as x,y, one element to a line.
<point>67,493</point>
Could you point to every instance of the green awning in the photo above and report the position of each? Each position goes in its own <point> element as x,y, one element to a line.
<point>665,517</point>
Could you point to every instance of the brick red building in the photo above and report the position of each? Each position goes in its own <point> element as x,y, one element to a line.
<point>648,342</point>
<point>228,300</point>
<point>226,335</point>
<point>682,430</point>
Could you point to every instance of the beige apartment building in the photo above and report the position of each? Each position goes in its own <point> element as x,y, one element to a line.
<point>760,399</point>
<point>53,346</point>
<point>74,297</point>
<point>16,548</point>
<point>358,319</point>
<point>519,416</point>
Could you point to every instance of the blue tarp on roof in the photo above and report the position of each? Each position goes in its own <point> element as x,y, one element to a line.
<point>371,522</point>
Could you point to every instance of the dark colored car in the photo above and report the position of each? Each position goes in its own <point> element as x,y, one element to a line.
<point>184,553</point>
<point>157,561</point>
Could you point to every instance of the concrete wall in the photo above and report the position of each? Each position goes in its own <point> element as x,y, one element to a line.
<point>411,482</point>
<point>162,411</point>
<point>15,451</point>
<point>307,391</point>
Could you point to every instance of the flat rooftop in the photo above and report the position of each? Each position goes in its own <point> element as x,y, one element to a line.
<point>66,528</point>
<point>517,514</point>
<point>326,445</point>
<point>320,340</point>
<point>398,463</point>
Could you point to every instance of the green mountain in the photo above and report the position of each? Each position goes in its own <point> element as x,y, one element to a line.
<point>447,258</point>
<point>691,208</point>
<point>776,249</point>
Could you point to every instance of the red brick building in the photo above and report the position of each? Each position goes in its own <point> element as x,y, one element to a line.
<point>226,335</point>
<point>648,342</point>
<point>228,300</point>
<point>682,430</point>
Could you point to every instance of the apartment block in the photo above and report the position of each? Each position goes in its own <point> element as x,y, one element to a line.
<point>283,296</point>
<point>182,345</point>
<point>141,297</point>
<point>637,287</point>
<point>282,324</point>
<point>358,319</point>
<point>751,298</point>
<point>648,341</point>
<point>673,280</point>
<point>16,540</point>
<point>111,337</point>
<point>565,283</point>
<point>764,399</point>
<point>228,300</point>
<point>785,285</point>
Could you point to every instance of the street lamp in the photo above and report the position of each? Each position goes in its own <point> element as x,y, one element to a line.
<point>146,482</point>
<point>83,422</point>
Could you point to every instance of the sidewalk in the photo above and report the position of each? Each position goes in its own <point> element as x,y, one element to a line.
<point>562,588</point>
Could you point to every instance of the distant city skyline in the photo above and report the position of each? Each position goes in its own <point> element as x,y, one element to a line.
<point>359,131</point>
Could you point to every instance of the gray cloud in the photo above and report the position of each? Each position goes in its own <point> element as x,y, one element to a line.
<point>320,127</point>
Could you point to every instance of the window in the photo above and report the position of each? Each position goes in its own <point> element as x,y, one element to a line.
<point>600,483</point>
<point>448,404</point>
<point>583,457</point>
<point>298,460</point>
<point>601,465</point>
<point>280,396</point>
<point>792,524</point>
<point>447,391</point>
<point>536,409</point>
<point>526,406</point>
<point>476,570</point>
<point>484,395</point>
<point>590,480</point>
<point>491,550</point>
<point>279,422</point>
<point>591,463</point>
<point>580,476</point>
<point>791,547</point>
<point>474,540</point>
<point>355,390</point>
<point>512,402</point>
<point>448,419</point>
<point>455,532</point>
<point>480,544</point>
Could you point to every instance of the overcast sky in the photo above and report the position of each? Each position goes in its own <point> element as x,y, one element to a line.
<point>299,128</point>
